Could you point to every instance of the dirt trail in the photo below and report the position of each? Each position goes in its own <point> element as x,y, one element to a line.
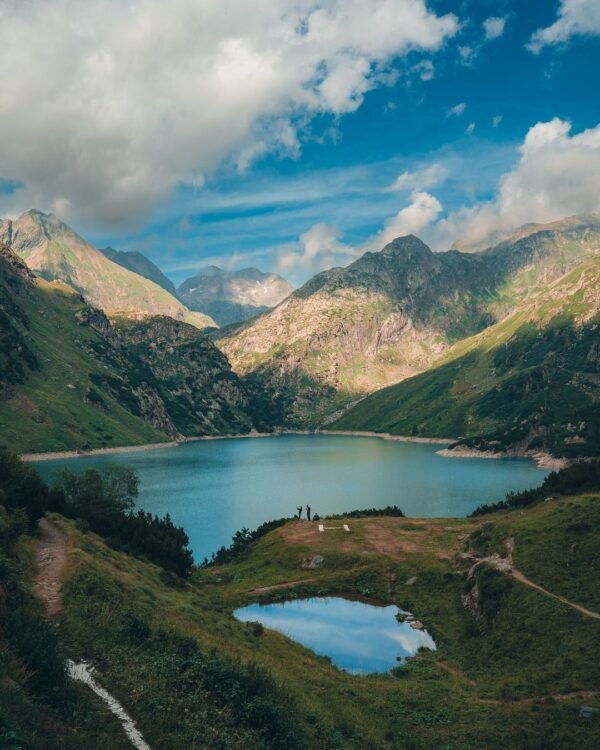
<point>518,576</point>
<point>275,586</point>
<point>51,560</point>
<point>506,565</point>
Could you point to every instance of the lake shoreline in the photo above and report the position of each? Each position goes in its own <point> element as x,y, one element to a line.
<point>80,453</point>
<point>542,460</point>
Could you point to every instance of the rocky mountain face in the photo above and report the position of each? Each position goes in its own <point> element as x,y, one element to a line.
<point>528,384</point>
<point>392,314</point>
<point>71,378</point>
<point>140,264</point>
<point>233,296</point>
<point>54,251</point>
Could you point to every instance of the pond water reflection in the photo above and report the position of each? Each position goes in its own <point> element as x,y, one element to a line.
<point>358,637</point>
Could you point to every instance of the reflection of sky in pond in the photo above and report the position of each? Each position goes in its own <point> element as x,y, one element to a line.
<point>358,637</point>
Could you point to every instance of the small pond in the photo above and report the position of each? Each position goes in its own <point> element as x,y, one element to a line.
<point>359,638</point>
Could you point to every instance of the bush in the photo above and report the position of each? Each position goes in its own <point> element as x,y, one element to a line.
<point>582,476</point>
<point>22,487</point>
<point>103,500</point>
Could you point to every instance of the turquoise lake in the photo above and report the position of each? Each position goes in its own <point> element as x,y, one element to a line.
<point>213,488</point>
<point>358,637</point>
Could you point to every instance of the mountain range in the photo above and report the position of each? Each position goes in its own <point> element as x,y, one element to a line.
<point>529,384</point>
<point>233,296</point>
<point>72,378</point>
<point>393,313</point>
<point>54,251</point>
<point>496,348</point>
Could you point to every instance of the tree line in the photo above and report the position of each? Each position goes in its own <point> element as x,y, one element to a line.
<point>102,501</point>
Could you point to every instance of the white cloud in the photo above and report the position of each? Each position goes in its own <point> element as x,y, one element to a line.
<point>494,27</point>
<point>557,175</point>
<point>467,54</point>
<point>457,110</point>
<point>107,105</point>
<point>575,17</point>
<point>496,120</point>
<point>424,69</point>
<point>420,213</point>
<point>318,248</point>
<point>421,179</point>
<point>470,129</point>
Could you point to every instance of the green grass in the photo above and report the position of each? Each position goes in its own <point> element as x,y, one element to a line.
<point>505,667</point>
<point>527,381</point>
<point>46,413</point>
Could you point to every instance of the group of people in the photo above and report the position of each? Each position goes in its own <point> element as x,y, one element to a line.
<point>299,509</point>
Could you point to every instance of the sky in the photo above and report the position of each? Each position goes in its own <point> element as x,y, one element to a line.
<point>294,135</point>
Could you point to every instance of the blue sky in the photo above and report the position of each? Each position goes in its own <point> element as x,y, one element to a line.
<point>452,115</point>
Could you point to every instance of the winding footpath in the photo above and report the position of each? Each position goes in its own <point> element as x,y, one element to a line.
<point>51,562</point>
<point>506,565</point>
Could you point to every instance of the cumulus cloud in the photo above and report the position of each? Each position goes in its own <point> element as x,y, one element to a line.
<point>421,179</point>
<point>422,211</point>
<point>107,105</point>
<point>318,248</point>
<point>494,27</point>
<point>457,110</point>
<point>575,17</point>
<point>557,175</point>
<point>470,129</point>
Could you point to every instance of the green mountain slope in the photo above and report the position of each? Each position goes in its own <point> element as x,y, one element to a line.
<point>391,314</point>
<point>529,383</point>
<point>54,251</point>
<point>233,296</point>
<point>71,379</point>
<point>140,264</point>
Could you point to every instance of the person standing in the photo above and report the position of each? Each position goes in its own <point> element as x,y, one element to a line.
<point>308,512</point>
<point>299,509</point>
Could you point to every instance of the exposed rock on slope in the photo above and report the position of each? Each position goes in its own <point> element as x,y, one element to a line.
<point>69,378</point>
<point>54,251</point>
<point>233,296</point>
<point>391,314</point>
<point>528,384</point>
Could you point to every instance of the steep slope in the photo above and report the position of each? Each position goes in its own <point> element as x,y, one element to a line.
<point>71,379</point>
<point>54,251</point>
<point>233,296</point>
<point>391,314</point>
<point>140,264</point>
<point>530,383</point>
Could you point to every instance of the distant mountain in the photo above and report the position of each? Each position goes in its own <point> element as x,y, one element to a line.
<point>529,383</point>
<point>70,378</point>
<point>233,296</point>
<point>54,251</point>
<point>390,314</point>
<point>138,263</point>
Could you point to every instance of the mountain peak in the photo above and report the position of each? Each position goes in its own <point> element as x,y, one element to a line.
<point>233,296</point>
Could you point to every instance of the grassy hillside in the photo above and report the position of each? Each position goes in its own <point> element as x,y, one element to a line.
<point>528,383</point>
<point>54,251</point>
<point>193,676</point>
<point>70,379</point>
<point>394,313</point>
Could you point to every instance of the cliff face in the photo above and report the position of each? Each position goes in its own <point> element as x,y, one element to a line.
<point>55,252</point>
<point>392,314</point>
<point>71,378</point>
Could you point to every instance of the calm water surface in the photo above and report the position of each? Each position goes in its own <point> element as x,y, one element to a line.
<point>213,488</point>
<point>358,637</point>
